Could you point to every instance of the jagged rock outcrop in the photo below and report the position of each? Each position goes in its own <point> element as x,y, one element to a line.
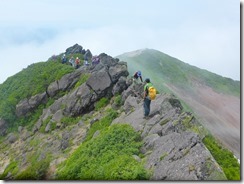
<point>104,80</point>
<point>173,152</point>
<point>75,49</point>
<point>64,84</point>
<point>28,105</point>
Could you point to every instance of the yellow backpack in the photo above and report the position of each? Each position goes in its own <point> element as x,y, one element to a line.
<point>152,92</point>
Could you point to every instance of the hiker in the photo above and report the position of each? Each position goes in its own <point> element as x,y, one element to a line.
<point>95,60</point>
<point>72,61</point>
<point>77,63</point>
<point>138,75</point>
<point>86,63</point>
<point>64,59</point>
<point>147,100</point>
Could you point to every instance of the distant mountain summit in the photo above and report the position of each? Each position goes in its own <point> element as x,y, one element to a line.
<point>215,99</point>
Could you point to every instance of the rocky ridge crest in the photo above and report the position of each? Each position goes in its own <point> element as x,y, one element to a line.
<point>172,149</point>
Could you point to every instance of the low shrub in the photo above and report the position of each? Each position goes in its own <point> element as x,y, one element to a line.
<point>106,157</point>
<point>224,158</point>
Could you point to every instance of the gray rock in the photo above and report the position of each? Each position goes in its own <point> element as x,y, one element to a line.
<point>27,105</point>
<point>48,127</point>
<point>75,49</point>
<point>65,135</point>
<point>108,60</point>
<point>97,133</point>
<point>20,128</point>
<point>118,71</point>
<point>64,144</point>
<point>99,82</point>
<point>130,104</point>
<point>25,135</point>
<point>69,80</point>
<point>58,116</point>
<point>120,86</point>
<point>12,138</point>
<point>79,101</point>
<point>93,121</point>
<point>3,127</point>
<point>81,123</point>
<point>53,89</point>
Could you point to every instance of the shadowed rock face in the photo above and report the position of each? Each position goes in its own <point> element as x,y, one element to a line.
<point>173,152</point>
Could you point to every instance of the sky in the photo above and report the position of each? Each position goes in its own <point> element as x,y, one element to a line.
<point>203,33</point>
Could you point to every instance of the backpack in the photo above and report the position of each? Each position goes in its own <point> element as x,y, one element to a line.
<point>152,92</point>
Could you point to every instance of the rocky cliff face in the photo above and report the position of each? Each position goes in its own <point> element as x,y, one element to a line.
<point>171,137</point>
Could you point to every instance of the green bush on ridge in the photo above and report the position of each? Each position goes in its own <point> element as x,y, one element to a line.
<point>224,158</point>
<point>106,157</point>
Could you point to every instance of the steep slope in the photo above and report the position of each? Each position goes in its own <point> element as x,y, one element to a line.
<point>214,99</point>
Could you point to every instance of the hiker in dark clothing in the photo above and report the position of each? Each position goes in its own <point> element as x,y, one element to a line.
<point>138,75</point>
<point>64,59</point>
<point>147,100</point>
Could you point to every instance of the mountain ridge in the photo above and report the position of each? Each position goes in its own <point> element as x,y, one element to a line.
<point>68,124</point>
<point>213,98</point>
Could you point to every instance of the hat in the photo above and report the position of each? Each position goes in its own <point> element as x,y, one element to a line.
<point>147,80</point>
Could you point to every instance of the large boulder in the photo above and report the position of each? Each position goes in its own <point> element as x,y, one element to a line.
<point>75,49</point>
<point>12,138</point>
<point>65,83</point>
<point>27,105</point>
<point>108,60</point>
<point>79,101</point>
<point>69,80</point>
<point>53,89</point>
<point>120,86</point>
<point>99,82</point>
<point>117,71</point>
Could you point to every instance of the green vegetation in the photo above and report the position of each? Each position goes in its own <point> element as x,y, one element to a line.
<point>83,79</point>
<point>118,100</point>
<point>70,120</point>
<point>11,168</point>
<point>224,158</point>
<point>36,170</point>
<point>29,82</point>
<point>106,157</point>
<point>102,124</point>
<point>163,69</point>
<point>163,156</point>
<point>101,103</point>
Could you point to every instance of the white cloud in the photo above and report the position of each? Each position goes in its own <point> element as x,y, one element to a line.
<point>205,34</point>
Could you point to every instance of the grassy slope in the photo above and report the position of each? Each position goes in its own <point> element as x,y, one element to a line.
<point>30,81</point>
<point>162,68</point>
